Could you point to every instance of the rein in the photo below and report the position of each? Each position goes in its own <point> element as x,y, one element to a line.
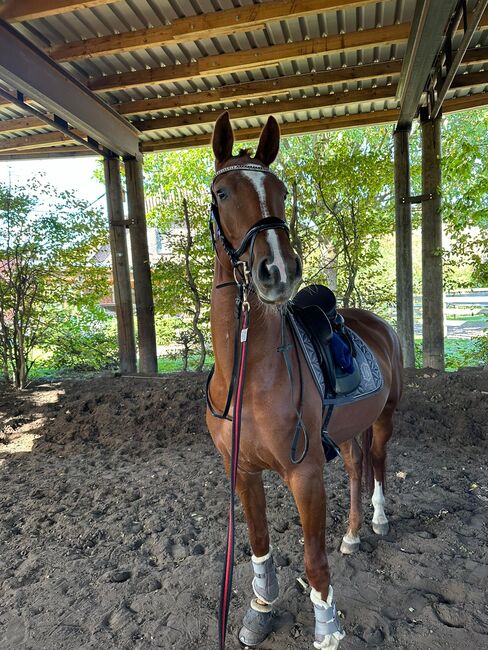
<point>242,279</point>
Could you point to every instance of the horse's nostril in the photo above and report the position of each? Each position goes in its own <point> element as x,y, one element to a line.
<point>263,271</point>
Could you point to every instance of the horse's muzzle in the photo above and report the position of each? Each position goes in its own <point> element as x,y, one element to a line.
<point>277,282</point>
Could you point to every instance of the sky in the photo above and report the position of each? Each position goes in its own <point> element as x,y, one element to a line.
<point>74,174</point>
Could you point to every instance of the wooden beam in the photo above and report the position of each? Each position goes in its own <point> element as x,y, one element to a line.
<point>269,87</point>
<point>262,88</point>
<point>403,247</point>
<point>21,10</point>
<point>120,266</point>
<point>298,81</point>
<point>471,79</point>
<point>289,128</point>
<point>432,288</point>
<point>20,124</point>
<point>141,268</point>
<point>253,58</point>
<point>33,141</point>
<point>310,126</point>
<point>475,55</point>
<point>192,28</point>
<point>46,152</point>
<point>257,57</point>
<point>307,103</point>
<point>457,104</point>
<point>25,68</point>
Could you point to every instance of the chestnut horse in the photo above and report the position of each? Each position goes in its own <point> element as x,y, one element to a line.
<point>247,193</point>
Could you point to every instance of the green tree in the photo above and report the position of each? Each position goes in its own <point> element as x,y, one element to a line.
<point>464,196</point>
<point>47,241</point>
<point>343,207</point>
<point>182,279</point>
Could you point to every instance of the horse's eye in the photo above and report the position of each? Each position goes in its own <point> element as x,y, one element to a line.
<point>222,194</point>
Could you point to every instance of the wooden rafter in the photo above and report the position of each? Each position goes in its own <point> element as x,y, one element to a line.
<point>290,128</point>
<point>193,28</point>
<point>206,117</point>
<point>310,126</point>
<point>472,79</point>
<point>277,86</point>
<point>20,124</point>
<point>380,93</point>
<point>262,88</point>
<point>21,10</point>
<point>333,99</point>
<point>41,147</point>
<point>46,152</point>
<point>33,141</point>
<point>210,66</point>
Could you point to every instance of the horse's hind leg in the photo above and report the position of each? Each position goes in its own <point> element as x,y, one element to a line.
<point>258,621</point>
<point>307,486</point>
<point>352,457</point>
<point>382,430</point>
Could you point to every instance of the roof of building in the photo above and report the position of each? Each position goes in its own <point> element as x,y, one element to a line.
<point>171,67</point>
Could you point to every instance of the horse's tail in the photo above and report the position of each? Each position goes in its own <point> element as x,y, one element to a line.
<point>368,475</point>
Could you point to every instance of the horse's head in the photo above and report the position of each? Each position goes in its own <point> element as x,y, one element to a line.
<point>249,208</point>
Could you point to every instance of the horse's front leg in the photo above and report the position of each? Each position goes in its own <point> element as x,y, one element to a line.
<point>307,486</point>
<point>258,621</point>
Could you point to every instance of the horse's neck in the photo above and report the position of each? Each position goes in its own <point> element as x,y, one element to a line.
<point>264,329</point>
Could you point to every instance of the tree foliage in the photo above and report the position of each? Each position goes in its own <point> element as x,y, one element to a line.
<point>183,277</point>
<point>47,238</point>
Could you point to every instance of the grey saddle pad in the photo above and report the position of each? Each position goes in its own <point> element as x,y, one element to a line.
<point>371,375</point>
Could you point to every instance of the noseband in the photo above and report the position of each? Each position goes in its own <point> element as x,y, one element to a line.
<point>268,223</point>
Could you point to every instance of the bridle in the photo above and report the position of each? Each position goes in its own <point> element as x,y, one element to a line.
<point>241,268</point>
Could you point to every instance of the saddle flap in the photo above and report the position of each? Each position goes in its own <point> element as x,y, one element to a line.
<point>315,321</point>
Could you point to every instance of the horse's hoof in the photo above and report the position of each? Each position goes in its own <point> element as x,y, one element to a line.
<point>381,529</point>
<point>348,548</point>
<point>256,627</point>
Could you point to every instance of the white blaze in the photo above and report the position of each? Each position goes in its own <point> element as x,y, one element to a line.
<point>257,181</point>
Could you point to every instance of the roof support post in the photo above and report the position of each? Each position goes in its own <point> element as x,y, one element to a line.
<point>148,361</point>
<point>432,290</point>
<point>403,243</point>
<point>120,266</point>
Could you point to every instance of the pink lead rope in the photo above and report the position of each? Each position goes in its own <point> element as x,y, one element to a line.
<point>226,590</point>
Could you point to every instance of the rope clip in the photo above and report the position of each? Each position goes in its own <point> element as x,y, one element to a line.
<point>242,276</point>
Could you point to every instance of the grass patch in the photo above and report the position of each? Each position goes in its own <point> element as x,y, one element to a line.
<point>171,364</point>
<point>457,353</point>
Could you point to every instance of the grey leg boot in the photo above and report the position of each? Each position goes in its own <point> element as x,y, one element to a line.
<point>258,621</point>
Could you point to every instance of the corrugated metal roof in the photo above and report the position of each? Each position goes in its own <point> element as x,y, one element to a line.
<point>129,15</point>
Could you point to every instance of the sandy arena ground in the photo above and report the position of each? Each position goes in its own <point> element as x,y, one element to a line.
<point>114,512</point>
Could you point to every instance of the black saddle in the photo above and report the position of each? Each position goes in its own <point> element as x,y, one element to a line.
<point>315,308</point>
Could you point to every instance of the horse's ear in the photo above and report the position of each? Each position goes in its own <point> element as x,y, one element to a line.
<point>269,142</point>
<point>222,138</point>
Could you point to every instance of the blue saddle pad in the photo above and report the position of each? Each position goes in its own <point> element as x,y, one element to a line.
<point>371,375</point>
